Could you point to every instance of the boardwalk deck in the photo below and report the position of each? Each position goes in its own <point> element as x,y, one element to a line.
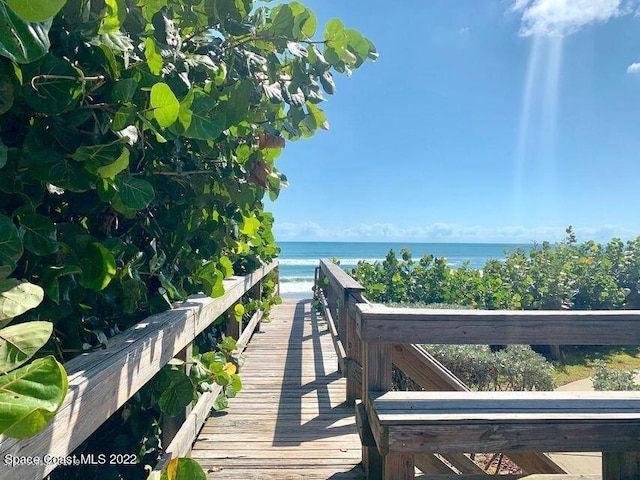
<point>290,421</point>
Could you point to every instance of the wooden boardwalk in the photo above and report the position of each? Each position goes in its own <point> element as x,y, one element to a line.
<point>290,421</point>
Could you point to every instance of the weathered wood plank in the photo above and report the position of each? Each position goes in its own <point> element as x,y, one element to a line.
<point>424,369</point>
<point>290,419</point>
<point>188,432</point>
<point>377,323</point>
<point>543,476</point>
<point>621,465</point>
<point>336,275</point>
<point>101,381</point>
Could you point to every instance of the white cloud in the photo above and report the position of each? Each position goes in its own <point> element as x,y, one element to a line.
<point>633,68</point>
<point>444,232</point>
<point>563,17</point>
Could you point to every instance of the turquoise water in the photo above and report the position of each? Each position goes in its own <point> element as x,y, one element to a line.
<point>299,259</point>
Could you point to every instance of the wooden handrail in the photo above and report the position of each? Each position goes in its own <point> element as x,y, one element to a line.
<point>340,288</point>
<point>381,324</point>
<point>100,382</point>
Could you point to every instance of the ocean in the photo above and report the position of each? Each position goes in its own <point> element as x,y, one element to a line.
<point>298,260</point>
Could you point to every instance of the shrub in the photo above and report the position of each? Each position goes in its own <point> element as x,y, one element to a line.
<point>606,378</point>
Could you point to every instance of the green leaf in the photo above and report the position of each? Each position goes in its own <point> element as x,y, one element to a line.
<point>21,41</point>
<point>250,226</point>
<point>123,90</point>
<point>98,267</point>
<point>111,170</point>
<point>18,343</point>
<point>100,154</point>
<point>226,266</point>
<point>238,312</point>
<point>113,16</point>
<point>36,10</point>
<point>30,396</point>
<point>57,88</point>
<point>204,125</point>
<point>154,59</point>
<point>135,193</point>
<point>183,469</point>
<point>177,396</point>
<point>18,297</point>
<point>221,402</point>
<point>10,244</point>
<point>211,279</point>
<point>165,104</point>
<point>38,234</point>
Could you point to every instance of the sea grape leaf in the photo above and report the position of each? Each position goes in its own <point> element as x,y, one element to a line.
<point>114,15</point>
<point>165,104</point>
<point>22,41</point>
<point>250,226</point>
<point>38,234</point>
<point>98,267</point>
<point>204,125</point>
<point>123,90</point>
<point>154,59</point>
<point>18,297</point>
<point>226,266</point>
<point>18,343</point>
<point>10,244</point>
<point>135,193</point>
<point>183,469</point>
<point>112,169</point>
<point>36,10</point>
<point>57,88</point>
<point>30,396</point>
<point>177,396</point>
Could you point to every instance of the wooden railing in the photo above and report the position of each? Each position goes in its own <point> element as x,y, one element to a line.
<point>100,382</point>
<point>398,429</point>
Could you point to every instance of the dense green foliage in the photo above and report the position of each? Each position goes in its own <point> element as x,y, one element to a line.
<point>586,276</point>
<point>516,367</point>
<point>137,141</point>
<point>609,379</point>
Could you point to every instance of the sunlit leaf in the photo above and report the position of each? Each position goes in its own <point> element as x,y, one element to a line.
<point>183,469</point>
<point>165,104</point>
<point>18,297</point>
<point>36,10</point>
<point>18,343</point>
<point>30,396</point>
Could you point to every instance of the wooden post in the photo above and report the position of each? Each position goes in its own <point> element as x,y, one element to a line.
<point>620,465</point>
<point>398,466</point>
<point>353,349</point>
<point>256,294</point>
<point>171,425</point>
<point>376,377</point>
<point>343,314</point>
<point>316,284</point>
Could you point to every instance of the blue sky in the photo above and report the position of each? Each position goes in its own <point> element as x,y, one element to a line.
<point>482,121</point>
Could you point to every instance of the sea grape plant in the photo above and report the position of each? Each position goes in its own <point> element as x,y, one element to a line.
<point>137,141</point>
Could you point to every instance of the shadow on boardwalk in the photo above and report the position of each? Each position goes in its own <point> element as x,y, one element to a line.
<point>290,420</point>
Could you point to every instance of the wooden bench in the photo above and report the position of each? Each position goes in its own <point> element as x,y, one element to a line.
<point>408,427</point>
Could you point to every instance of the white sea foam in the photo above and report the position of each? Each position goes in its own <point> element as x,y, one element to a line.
<point>315,261</point>
<point>296,287</point>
